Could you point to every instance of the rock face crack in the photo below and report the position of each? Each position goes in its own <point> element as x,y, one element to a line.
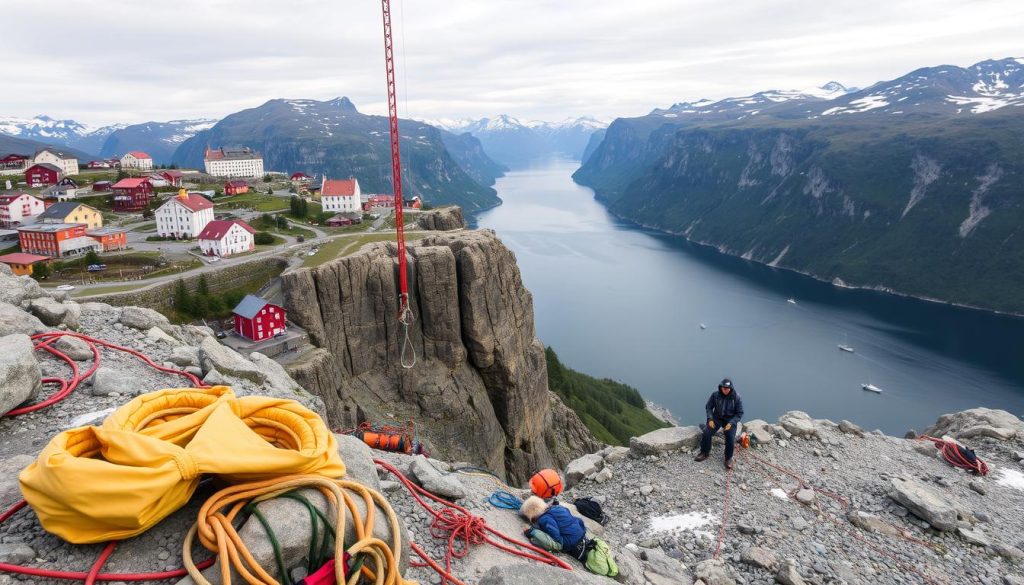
<point>479,389</point>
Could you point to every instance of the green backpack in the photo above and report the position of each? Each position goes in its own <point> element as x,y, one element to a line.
<point>599,559</point>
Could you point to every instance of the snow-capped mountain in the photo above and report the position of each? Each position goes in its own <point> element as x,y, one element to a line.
<point>158,139</point>
<point>513,142</point>
<point>71,133</point>
<point>739,107</point>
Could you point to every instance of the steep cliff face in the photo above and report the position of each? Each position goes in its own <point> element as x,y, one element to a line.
<point>478,390</point>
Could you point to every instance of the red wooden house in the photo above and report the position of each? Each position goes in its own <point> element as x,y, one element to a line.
<point>13,162</point>
<point>256,319</point>
<point>42,175</point>
<point>132,194</point>
<point>236,187</point>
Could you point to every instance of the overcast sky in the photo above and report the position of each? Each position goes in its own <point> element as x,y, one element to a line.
<point>121,61</point>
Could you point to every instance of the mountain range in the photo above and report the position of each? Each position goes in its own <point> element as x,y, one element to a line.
<point>914,185</point>
<point>514,143</point>
<point>158,139</point>
<point>332,138</point>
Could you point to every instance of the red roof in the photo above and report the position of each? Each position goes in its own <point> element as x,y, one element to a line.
<point>129,183</point>
<point>218,228</point>
<point>21,258</point>
<point>212,154</point>
<point>6,199</point>
<point>138,154</point>
<point>195,202</point>
<point>173,173</point>
<point>236,183</point>
<point>298,176</point>
<point>339,188</point>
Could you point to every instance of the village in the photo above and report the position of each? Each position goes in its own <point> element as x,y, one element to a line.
<point>126,225</point>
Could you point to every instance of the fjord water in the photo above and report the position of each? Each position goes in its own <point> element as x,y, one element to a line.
<point>618,301</point>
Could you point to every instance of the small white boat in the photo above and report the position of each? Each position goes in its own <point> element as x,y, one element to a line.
<point>871,388</point>
<point>703,326</point>
<point>847,348</point>
<point>791,301</point>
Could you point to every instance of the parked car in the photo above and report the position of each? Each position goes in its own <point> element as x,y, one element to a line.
<point>221,335</point>
<point>300,238</point>
<point>213,259</point>
<point>66,287</point>
<point>96,267</point>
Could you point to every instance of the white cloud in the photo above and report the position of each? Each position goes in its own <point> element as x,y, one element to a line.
<point>136,61</point>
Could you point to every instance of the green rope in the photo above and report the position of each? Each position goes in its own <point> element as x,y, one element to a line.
<point>317,555</point>
<point>278,556</point>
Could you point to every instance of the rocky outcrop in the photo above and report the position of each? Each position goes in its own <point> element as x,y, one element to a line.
<point>978,422</point>
<point>19,371</point>
<point>478,361</point>
<point>443,219</point>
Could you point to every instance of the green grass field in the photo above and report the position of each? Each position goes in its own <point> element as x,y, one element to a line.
<point>264,203</point>
<point>341,247</point>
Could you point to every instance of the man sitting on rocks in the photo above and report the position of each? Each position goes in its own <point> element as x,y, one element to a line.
<point>554,527</point>
<point>724,410</point>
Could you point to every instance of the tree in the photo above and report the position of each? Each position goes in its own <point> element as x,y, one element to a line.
<point>293,206</point>
<point>121,174</point>
<point>91,257</point>
<point>263,238</point>
<point>203,288</point>
<point>182,300</point>
<point>270,190</point>
<point>173,166</point>
<point>282,222</point>
<point>303,208</point>
<point>40,270</point>
<point>267,178</point>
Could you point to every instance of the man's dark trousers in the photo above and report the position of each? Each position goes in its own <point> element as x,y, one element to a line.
<point>730,437</point>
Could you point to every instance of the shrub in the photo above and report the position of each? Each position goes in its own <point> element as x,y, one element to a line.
<point>263,238</point>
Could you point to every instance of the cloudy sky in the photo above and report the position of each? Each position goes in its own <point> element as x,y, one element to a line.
<point>120,61</point>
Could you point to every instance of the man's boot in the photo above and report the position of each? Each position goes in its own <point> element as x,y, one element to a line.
<point>728,463</point>
<point>701,457</point>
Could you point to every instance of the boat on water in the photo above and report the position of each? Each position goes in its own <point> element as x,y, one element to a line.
<point>871,388</point>
<point>791,301</point>
<point>846,348</point>
<point>703,326</point>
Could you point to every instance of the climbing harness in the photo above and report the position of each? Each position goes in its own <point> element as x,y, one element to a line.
<point>379,561</point>
<point>505,500</point>
<point>958,455</point>
<point>454,523</point>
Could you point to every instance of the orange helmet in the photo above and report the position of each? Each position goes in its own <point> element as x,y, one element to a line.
<point>546,483</point>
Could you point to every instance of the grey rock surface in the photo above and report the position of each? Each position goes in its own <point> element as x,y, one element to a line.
<point>977,422</point>
<point>585,466</point>
<point>358,458</point>
<point>714,572</point>
<point>53,313</point>
<point>108,380</point>
<point>14,320</point>
<point>442,219</point>
<point>759,557</point>
<point>435,482</point>
<point>74,347</point>
<point>663,440</point>
<point>214,356</point>
<point>142,318</point>
<point>19,371</point>
<point>924,503</point>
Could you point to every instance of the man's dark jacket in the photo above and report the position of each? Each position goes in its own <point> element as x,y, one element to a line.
<point>721,407</point>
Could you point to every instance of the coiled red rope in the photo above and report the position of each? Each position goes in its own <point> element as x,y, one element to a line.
<point>951,452</point>
<point>44,342</point>
<point>455,523</point>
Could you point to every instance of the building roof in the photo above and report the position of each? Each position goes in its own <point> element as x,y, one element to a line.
<point>55,153</point>
<point>78,243</point>
<point>250,306</point>
<point>62,209</point>
<point>130,183</point>
<point>339,188</point>
<point>138,154</point>
<point>236,183</point>
<point>231,153</point>
<point>49,227</point>
<point>193,202</point>
<point>6,199</point>
<point>218,228</point>
<point>48,166</point>
<point>299,175</point>
<point>15,156</point>
<point>22,258</point>
<point>172,173</point>
<point>105,231</point>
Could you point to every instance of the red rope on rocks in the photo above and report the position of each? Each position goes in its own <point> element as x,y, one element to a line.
<point>951,452</point>
<point>68,385</point>
<point>844,503</point>
<point>456,523</point>
<point>725,513</point>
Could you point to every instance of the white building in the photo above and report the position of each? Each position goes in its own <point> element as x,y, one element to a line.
<point>67,164</point>
<point>136,159</point>
<point>340,196</point>
<point>233,162</point>
<point>19,208</point>
<point>184,216</point>
<point>224,238</point>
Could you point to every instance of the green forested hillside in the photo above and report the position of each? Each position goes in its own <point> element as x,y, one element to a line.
<point>613,411</point>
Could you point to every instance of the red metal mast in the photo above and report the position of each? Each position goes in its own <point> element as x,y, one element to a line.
<point>404,312</point>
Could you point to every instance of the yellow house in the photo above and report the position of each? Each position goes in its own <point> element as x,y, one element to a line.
<point>72,212</point>
<point>20,263</point>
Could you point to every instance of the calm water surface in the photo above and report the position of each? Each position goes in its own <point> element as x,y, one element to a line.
<point>621,302</point>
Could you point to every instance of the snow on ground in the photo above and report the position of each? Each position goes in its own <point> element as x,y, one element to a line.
<point>692,521</point>
<point>1011,478</point>
<point>778,493</point>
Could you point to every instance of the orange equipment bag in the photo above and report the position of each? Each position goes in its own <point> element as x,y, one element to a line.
<point>385,441</point>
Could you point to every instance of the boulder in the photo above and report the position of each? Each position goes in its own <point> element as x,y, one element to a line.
<point>141,318</point>
<point>872,523</point>
<point>277,377</point>
<point>615,454</point>
<point>213,378</point>
<point>924,503</point>
<point>761,558</point>
<point>714,572</point>
<point>17,289</point>
<point>789,575</point>
<point>214,356</point>
<point>158,335</point>
<point>973,536</point>
<point>10,467</point>
<point>978,422</point>
<point>20,377</point>
<point>603,475</point>
<point>850,429</point>
<point>107,380</point>
<point>1008,552</point>
<point>664,440</point>
<point>661,569</point>
<point>184,356</point>
<point>16,554</point>
<point>521,573</point>
<point>444,485</point>
<point>443,219</point>
<point>14,320</point>
<point>582,467</point>
<point>74,348</point>
<point>631,571</point>
<point>358,460</point>
<point>758,430</point>
<point>805,496</point>
<point>52,313</point>
<point>799,424</point>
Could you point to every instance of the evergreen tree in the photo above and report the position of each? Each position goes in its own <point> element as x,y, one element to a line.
<point>282,222</point>
<point>182,300</point>
<point>91,257</point>
<point>203,288</point>
<point>40,271</point>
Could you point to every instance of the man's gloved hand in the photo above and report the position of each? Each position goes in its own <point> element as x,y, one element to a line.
<point>727,426</point>
<point>528,532</point>
<point>711,424</point>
